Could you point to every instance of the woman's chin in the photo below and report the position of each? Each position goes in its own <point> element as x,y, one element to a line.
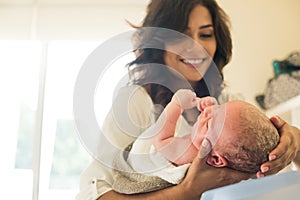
<point>194,80</point>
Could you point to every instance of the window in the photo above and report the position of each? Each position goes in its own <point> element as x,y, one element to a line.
<point>63,158</point>
<point>19,81</point>
<point>43,154</point>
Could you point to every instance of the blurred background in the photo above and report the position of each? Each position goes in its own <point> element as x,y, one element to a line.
<point>43,44</point>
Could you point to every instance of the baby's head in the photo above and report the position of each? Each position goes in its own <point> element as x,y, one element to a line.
<point>247,137</point>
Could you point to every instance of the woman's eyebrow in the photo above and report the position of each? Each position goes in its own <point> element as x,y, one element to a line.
<point>202,27</point>
<point>206,26</point>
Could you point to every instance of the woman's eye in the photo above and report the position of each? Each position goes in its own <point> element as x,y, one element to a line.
<point>206,35</point>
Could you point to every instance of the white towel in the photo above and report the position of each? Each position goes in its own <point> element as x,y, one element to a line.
<point>144,159</point>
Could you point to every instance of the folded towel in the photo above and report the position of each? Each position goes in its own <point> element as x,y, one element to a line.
<point>145,159</point>
<point>128,181</point>
<point>153,163</point>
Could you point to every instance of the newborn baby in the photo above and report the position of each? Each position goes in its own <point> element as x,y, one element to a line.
<point>241,136</point>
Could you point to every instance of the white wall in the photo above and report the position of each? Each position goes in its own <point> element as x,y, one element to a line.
<point>69,22</point>
<point>262,31</point>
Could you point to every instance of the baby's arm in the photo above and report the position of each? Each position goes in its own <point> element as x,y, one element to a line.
<point>172,148</point>
<point>200,128</point>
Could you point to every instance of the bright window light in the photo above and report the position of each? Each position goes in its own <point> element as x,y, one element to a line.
<point>19,71</point>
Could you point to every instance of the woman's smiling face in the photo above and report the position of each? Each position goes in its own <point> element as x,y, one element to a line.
<point>194,59</point>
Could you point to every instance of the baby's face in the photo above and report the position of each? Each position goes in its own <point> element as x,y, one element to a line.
<point>209,125</point>
<point>219,124</point>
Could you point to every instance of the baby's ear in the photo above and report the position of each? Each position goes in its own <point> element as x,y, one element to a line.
<point>217,160</point>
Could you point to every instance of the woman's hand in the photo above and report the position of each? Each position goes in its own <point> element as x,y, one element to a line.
<point>202,177</point>
<point>286,151</point>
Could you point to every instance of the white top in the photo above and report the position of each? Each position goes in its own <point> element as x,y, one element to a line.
<point>130,115</point>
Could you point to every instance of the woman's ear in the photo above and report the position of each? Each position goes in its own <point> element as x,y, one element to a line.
<point>217,160</point>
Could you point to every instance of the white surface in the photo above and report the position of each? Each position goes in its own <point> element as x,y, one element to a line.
<point>280,186</point>
<point>284,107</point>
<point>288,111</point>
<point>16,184</point>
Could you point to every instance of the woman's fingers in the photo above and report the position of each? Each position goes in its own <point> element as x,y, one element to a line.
<point>277,122</point>
<point>282,148</point>
<point>285,151</point>
<point>205,148</point>
<point>274,166</point>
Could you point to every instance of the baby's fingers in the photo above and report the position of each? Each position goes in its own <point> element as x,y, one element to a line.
<point>206,102</point>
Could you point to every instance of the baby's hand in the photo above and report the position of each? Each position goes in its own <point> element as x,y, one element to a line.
<point>185,98</point>
<point>206,102</point>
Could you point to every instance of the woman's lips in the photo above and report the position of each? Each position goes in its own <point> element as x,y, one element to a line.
<point>194,62</point>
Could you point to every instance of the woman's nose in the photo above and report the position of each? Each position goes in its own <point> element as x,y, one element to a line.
<point>195,46</point>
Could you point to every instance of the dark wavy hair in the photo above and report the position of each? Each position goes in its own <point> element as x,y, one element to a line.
<point>174,15</point>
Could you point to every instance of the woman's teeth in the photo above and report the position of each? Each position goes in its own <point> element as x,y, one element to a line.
<point>193,61</point>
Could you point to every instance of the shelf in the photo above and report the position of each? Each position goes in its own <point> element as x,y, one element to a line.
<point>284,107</point>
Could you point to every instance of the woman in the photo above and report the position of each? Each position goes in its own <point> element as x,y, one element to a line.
<point>206,23</point>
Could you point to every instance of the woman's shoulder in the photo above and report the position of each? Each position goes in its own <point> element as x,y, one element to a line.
<point>134,91</point>
<point>131,111</point>
<point>133,97</point>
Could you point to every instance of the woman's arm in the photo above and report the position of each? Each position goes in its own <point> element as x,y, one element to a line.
<point>199,178</point>
<point>172,193</point>
<point>297,160</point>
<point>287,151</point>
